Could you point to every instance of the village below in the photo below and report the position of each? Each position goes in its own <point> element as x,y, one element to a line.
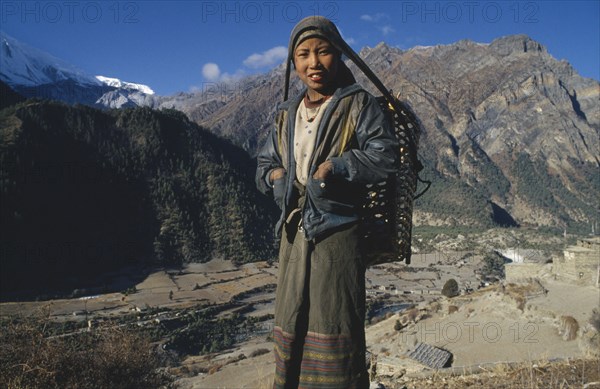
<point>470,304</point>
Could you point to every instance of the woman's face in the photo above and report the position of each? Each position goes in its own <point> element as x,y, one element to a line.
<point>316,62</point>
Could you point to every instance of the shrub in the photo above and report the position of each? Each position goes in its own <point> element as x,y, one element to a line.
<point>398,326</point>
<point>568,327</point>
<point>31,357</point>
<point>412,314</point>
<point>450,288</point>
<point>493,265</point>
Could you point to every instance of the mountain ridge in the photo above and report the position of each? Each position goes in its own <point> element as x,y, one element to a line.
<point>489,110</point>
<point>485,109</point>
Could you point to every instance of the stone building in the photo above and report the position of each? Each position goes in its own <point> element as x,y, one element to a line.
<point>580,263</point>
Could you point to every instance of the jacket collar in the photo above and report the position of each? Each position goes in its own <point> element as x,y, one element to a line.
<point>292,104</point>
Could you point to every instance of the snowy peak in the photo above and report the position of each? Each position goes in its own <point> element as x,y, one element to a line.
<point>25,69</point>
<point>24,65</point>
<point>115,82</point>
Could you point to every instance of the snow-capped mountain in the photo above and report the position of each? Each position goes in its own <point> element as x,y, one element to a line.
<point>126,85</point>
<point>24,65</point>
<point>35,73</point>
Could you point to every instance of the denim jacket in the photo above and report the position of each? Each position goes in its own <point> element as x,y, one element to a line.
<point>354,135</point>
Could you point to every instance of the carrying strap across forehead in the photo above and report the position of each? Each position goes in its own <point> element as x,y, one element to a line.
<point>325,27</point>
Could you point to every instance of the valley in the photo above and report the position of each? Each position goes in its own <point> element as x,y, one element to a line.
<point>227,310</point>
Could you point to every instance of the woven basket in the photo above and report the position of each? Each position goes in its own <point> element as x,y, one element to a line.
<point>388,206</point>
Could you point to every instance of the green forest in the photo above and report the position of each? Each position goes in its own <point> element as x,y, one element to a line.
<point>85,191</point>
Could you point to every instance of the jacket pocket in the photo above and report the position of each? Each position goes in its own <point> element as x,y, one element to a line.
<point>331,196</point>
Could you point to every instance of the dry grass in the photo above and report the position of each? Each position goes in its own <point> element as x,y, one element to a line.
<point>580,373</point>
<point>32,357</point>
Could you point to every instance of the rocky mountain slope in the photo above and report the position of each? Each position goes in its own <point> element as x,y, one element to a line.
<point>510,134</point>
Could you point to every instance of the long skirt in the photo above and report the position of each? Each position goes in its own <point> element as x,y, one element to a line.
<point>320,311</point>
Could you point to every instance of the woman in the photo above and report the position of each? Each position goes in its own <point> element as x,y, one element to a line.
<point>327,144</point>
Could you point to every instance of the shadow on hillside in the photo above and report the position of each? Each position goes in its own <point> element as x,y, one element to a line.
<point>501,217</point>
<point>119,280</point>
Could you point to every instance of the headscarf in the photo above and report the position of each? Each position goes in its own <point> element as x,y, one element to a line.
<point>319,27</point>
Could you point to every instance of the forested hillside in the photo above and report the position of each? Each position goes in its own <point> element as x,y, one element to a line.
<point>85,191</point>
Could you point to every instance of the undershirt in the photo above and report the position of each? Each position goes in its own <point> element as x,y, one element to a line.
<point>305,137</point>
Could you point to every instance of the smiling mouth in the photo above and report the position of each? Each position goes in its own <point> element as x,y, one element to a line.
<point>316,77</point>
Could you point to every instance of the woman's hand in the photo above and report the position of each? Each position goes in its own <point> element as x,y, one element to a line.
<point>277,174</point>
<point>323,171</point>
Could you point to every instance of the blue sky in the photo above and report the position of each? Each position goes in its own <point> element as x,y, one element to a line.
<point>175,46</point>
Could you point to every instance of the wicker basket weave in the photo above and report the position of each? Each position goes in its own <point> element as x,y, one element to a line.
<point>388,207</point>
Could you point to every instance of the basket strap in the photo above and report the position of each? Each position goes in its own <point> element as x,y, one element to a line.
<point>396,105</point>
